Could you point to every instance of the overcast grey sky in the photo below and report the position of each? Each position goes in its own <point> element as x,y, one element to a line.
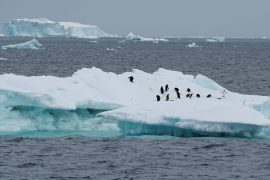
<point>177,18</point>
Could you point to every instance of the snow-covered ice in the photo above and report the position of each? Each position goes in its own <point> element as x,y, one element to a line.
<point>43,27</point>
<point>216,39</point>
<point>133,106</point>
<point>192,45</point>
<point>133,37</point>
<point>32,44</point>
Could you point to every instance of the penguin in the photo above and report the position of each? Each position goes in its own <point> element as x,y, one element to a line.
<point>178,94</point>
<point>187,95</point>
<point>188,90</point>
<point>166,87</point>
<point>198,95</point>
<point>176,89</point>
<point>161,90</point>
<point>167,97</point>
<point>190,95</point>
<point>158,97</point>
<point>209,95</point>
<point>131,78</point>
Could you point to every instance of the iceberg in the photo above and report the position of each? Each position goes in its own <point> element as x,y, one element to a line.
<point>133,37</point>
<point>1,35</point>
<point>192,45</point>
<point>3,59</point>
<point>216,39</point>
<point>92,99</point>
<point>33,44</point>
<point>43,27</point>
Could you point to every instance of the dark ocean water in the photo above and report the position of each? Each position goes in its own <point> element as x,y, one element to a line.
<point>239,65</point>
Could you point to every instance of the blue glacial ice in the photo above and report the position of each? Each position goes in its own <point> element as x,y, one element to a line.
<point>43,27</point>
<point>95,101</point>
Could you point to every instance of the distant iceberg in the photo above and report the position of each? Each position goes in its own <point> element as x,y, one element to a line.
<point>216,39</point>
<point>1,35</point>
<point>43,27</point>
<point>3,59</point>
<point>192,45</point>
<point>33,44</point>
<point>133,37</point>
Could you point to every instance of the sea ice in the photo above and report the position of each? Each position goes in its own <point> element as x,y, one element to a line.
<point>33,44</point>
<point>133,105</point>
<point>192,45</point>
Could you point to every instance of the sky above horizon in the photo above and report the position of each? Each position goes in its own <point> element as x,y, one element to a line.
<point>163,18</point>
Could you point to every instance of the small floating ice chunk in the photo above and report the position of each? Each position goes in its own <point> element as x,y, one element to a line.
<point>216,39</point>
<point>133,37</point>
<point>111,49</point>
<point>192,45</point>
<point>3,59</point>
<point>93,41</point>
<point>33,44</point>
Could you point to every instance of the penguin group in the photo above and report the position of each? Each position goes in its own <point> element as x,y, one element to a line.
<point>189,94</point>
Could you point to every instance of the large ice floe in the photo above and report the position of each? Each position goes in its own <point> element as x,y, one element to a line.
<point>32,44</point>
<point>133,37</point>
<point>43,27</point>
<point>92,100</point>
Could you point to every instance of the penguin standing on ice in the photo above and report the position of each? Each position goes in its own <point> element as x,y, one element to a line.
<point>198,95</point>
<point>190,95</point>
<point>209,95</point>
<point>166,87</point>
<point>167,97</point>
<point>178,94</point>
<point>161,90</point>
<point>158,97</point>
<point>131,79</point>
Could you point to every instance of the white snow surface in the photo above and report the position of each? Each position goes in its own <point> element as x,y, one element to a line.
<point>192,45</point>
<point>43,27</point>
<point>216,39</point>
<point>32,44</point>
<point>136,102</point>
<point>133,37</point>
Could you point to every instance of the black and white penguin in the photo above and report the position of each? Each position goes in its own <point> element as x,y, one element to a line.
<point>187,95</point>
<point>191,95</point>
<point>167,97</point>
<point>178,94</point>
<point>176,89</point>
<point>166,87</point>
<point>188,90</point>
<point>158,97</point>
<point>131,78</point>
<point>161,90</point>
<point>209,95</point>
<point>198,95</point>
